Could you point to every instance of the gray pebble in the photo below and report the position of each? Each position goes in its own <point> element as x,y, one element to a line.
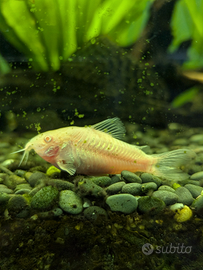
<point>13,180</point>
<point>85,187</point>
<point>35,177</point>
<point>194,190</point>
<point>149,204</point>
<point>4,189</point>
<point>147,177</point>
<point>101,181</point>
<point>56,212</point>
<point>22,191</point>
<point>70,202</point>
<point>22,186</point>
<point>115,188</point>
<point>124,203</point>
<point>16,204</point>
<point>198,205</point>
<point>180,141</point>
<point>93,213</point>
<point>3,176</point>
<point>197,176</point>
<point>130,177</point>
<point>61,184</point>
<point>148,186</point>
<point>44,198</point>
<point>166,196</point>
<point>197,138</point>
<point>115,179</point>
<point>132,188</point>
<point>20,173</point>
<point>167,188</point>
<point>193,182</point>
<point>4,197</point>
<point>184,195</point>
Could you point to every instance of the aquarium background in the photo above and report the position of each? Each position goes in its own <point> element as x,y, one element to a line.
<point>75,63</point>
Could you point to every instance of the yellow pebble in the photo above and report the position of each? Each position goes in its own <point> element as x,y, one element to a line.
<point>176,185</point>
<point>51,170</point>
<point>78,227</point>
<point>183,214</point>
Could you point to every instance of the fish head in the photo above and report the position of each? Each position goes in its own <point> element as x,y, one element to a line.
<point>46,145</point>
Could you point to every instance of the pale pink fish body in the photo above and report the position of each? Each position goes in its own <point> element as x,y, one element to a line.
<point>95,150</point>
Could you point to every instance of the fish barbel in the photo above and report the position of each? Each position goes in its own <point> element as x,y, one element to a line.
<point>98,150</point>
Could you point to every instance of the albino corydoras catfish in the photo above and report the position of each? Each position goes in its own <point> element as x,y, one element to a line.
<point>98,150</point>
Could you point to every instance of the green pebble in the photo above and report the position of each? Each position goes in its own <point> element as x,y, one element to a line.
<point>147,177</point>
<point>13,180</point>
<point>125,203</point>
<point>151,205</point>
<point>148,186</point>
<point>101,181</point>
<point>70,202</point>
<point>44,198</point>
<point>18,206</point>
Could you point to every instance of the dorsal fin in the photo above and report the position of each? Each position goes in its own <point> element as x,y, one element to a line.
<point>112,126</point>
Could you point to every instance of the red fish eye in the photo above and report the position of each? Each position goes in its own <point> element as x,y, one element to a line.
<point>47,139</point>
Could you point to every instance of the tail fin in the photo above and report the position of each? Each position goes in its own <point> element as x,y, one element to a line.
<point>168,164</point>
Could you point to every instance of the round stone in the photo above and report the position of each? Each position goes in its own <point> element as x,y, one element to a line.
<point>124,203</point>
<point>198,205</point>
<point>115,188</point>
<point>166,196</point>
<point>94,213</point>
<point>70,202</point>
<point>101,181</point>
<point>147,177</point>
<point>44,198</point>
<point>13,180</point>
<point>130,177</point>
<point>132,188</point>
<point>194,190</point>
<point>197,176</point>
<point>166,188</point>
<point>115,179</point>
<point>149,204</point>
<point>4,189</point>
<point>184,196</point>
<point>85,187</point>
<point>35,177</point>
<point>197,138</point>
<point>17,203</point>
<point>148,186</point>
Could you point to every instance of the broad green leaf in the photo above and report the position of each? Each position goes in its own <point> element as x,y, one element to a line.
<point>185,97</point>
<point>49,31</point>
<point>187,25</point>
<point>4,66</point>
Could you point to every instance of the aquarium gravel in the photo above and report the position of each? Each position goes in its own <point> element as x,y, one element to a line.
<point>128,207</point>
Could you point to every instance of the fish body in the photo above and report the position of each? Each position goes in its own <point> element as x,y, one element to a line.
<point>98,150</point>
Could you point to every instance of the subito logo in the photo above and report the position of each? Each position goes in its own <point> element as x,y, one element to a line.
<point>147,249</point>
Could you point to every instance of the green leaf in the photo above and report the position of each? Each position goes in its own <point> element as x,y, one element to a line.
<point>185,97</point>
<point>4,67</point>
<point>49,31</point>
<point>187,24</point>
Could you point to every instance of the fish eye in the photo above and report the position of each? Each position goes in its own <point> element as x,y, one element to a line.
<point>48,139</point>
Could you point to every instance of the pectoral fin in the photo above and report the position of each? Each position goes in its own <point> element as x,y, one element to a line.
<point>68,167</point>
